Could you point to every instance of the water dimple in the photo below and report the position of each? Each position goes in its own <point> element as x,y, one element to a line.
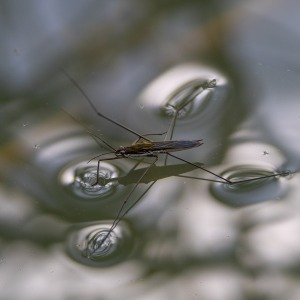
<point>250,185</point>
<point>81,179</point>
<point>100,243</point>
<point>188,98</point>
<point>96,245</point>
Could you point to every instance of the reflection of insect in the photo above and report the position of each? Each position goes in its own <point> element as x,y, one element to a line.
<point>144,147</point>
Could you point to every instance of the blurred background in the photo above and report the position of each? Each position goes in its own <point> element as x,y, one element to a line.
<point>186,239</point>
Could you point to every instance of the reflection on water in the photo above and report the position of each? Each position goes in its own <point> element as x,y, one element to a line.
<point>186,238</point>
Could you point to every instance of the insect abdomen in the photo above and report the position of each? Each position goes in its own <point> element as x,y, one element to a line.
<point>171,146</point>
<point>153,148</point>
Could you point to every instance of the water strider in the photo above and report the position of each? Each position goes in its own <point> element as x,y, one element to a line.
<point>145,147</point>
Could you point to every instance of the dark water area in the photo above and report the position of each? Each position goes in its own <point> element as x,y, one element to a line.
<point>183,232</point>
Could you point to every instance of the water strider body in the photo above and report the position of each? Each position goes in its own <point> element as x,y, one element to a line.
<point>151,148</point>
<point>142,148</point>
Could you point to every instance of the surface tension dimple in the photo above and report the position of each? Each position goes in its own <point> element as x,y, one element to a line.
<point>80,178</point>
<point>251,184</point>
<point>188,98</point>
<point>87,245</point>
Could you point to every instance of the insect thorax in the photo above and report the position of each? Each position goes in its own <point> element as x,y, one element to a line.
<point>136,150</point>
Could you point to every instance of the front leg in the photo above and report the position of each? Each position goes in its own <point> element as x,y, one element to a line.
<point>98,167</point>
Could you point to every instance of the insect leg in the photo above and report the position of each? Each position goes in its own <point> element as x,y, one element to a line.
<point>199,167</point>
<point>200,178</point>
<point>131,206</point>
<point>285,173</point>
<point>98,167</point>
<point>197,89</point>
<point>171,128</point>
<point>92,105</point>
<point>224,180</point>
<point>147,134</point>
<point>121,214</point>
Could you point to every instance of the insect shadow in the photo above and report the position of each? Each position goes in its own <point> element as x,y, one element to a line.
<point>144,147</point>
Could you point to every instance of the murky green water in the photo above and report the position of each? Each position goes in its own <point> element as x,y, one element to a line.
<point>232,69</point>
